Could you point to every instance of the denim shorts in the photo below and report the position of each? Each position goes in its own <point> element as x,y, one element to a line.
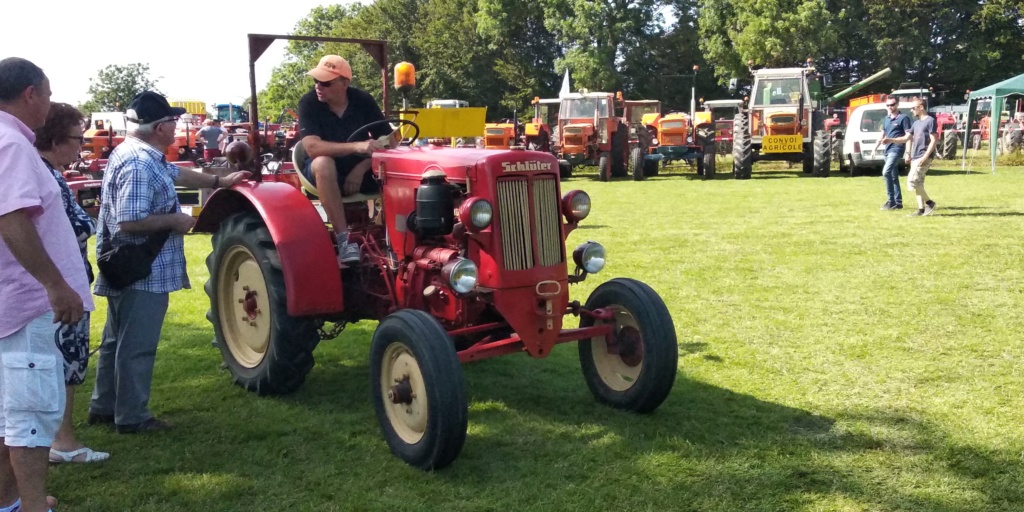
<point>31,384</point>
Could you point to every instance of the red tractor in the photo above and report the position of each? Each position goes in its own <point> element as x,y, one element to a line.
<point>463,259</point>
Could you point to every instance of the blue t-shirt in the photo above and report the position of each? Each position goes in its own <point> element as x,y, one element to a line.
<point>920,131</point>
<point>893,128</point>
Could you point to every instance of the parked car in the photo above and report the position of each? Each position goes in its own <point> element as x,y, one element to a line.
<point>862,133</point>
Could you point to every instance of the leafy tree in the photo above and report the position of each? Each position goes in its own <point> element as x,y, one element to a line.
<point>114,87</point>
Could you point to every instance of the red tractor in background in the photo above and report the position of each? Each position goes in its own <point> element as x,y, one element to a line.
<point>463,259</point>
<point>591,134</point>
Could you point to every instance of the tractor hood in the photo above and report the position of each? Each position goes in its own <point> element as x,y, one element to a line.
<point>461,164</point>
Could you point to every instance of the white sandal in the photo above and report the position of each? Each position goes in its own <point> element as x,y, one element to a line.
<point>59,457</point>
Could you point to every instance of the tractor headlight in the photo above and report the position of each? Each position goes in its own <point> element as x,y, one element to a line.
<point>461,275</point>
<point>181,151</point>
<point>576,205</point>
<point>654,142</point>
<point>689,140</point>
<point>104,149</point>
<point>589,256</point>
<point>603,133</point>
<point>477,213</point>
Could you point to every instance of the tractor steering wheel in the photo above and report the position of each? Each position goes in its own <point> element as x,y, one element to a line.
<point>401,122</point>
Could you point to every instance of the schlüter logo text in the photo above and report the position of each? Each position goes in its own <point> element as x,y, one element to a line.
<point>525,166</point>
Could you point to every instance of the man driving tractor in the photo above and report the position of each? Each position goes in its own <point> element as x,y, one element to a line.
<point>329,114</point>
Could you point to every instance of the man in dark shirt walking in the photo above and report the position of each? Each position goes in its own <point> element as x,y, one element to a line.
<point>895,126</point>
<point>328,115</point>
<point>922,149</point>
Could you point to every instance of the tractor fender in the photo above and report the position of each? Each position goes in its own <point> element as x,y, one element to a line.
<point>308,261</point>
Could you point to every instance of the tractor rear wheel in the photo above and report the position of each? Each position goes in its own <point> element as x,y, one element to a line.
<point>564,169</point>
<point>418,389</point>
<point>636,163</point>
<point>707,144</point>
<point>948,145</point>
<point>822,161</point>
<point>633,369</point>
<point>620,150</point>
<point>835,145</point>
<point>266,350</point>
<point>742,148</point>
<point>604,167</point>
<point>651,167</point>
<point>976,141</point>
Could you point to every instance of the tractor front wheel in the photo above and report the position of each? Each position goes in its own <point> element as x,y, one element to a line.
<point>266,350</point>
<point>418,389</point>
<point>604,167</point>
<point>564,169</point>
<point>636,163</point>
<point>635,367</point>
<point>822,161</point>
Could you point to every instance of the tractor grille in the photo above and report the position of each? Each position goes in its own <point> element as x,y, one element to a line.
<point>518,231</point>
<point>673,140</point>
<point>576,140</point>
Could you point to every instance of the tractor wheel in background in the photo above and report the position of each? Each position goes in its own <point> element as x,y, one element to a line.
<point>807,159</point>
<point>620,151</point>
<point>564,169</point>
<point>976,141</point>
<point>835,146</point>
<point>636,368</point>
<point>636,163</point>
<point>266,350</point>
<point>604,167</point>
<point>651,167</point>
<point>742,148</point>
<point>822,161</point>
<point>949,138</point>
<point>708,146</point>
<point>418,389</point>
<point>1013,139</point>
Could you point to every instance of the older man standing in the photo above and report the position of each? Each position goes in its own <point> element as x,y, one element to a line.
<point>44,284</point>
<point>139,200</point>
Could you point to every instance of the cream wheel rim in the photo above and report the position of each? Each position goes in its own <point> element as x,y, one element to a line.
<point>243,307</point>
<point>403,393</point>
<point>619,371</point>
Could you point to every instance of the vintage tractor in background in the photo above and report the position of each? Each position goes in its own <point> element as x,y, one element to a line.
<point>680,140</point>
<point>463,259</point>
<point>642,117</point>
<point>504,134</point>
<point>785,119</point>
<point>591,134</point>
<point>720,113</point>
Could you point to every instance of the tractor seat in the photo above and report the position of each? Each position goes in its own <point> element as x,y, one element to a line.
<point>299,157</point>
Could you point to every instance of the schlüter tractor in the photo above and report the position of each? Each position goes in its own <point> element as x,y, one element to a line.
<point>591,134</point>
<point>463,259</point>
<point>785,120</point>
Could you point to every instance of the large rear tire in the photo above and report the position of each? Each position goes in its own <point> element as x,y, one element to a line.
<point>418,389</point>
<point>835,145</point>
<point>742,148</point>
<point>822,160</point>
<point>636,163</point>
<point>620,150</point>
<point>604,167</point>
<point>707,144</point>
<point>636,368</point>
<point>266,350</point>
<point>949,140</point>
<point>564,169</point>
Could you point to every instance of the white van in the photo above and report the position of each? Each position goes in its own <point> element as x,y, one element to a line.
<point>863,129</point>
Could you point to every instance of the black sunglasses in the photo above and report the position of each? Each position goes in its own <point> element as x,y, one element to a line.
<point>324,84</point>
<point>890,104</point>
<point>79,138</point>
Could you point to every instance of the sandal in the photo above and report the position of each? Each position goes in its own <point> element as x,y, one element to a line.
<point>59,457</point>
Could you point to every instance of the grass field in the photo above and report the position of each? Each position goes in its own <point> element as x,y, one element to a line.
<point>833,357</point>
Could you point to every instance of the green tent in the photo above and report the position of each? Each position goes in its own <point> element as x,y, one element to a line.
<point>998,93</point>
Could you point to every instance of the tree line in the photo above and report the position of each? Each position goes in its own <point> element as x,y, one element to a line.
<point>502,53</point>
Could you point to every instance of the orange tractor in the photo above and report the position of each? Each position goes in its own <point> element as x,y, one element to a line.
<point>680,139</point>
<point>642,117</point>
<point>591,134</point>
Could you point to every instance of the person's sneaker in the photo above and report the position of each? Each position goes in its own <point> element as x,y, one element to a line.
<point>348,252</point>
<point>100,419</point>
<point>887,206</point>
<point>899,206</point>
<point>150,425</point>
<point>917,213</point>
<point>929,207</point>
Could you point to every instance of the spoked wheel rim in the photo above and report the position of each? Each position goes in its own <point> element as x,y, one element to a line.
<point>619,366</point>
<point>244,307</point>
<point>404,393</point>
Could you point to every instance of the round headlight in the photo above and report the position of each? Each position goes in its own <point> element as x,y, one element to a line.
<point>589,256</point>
<point>689,140</point>
<point>181,151</point>
<point>461,275</point>
<point>576,205</point>
<point>478,213</point>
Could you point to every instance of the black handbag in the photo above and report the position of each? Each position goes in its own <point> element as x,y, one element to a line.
<point>123,265</point>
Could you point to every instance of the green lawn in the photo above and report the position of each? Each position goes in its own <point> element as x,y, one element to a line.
<point>832,357</point>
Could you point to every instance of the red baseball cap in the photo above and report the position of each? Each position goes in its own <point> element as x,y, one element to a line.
<point>331,67</point>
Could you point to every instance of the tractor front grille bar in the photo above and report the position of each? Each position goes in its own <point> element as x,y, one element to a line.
<point>518,231</point>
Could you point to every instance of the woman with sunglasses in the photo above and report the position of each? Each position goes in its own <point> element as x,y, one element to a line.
<point>59,142</point>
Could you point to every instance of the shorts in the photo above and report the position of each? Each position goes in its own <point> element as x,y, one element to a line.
<point>369,186</point>
<point>918,170</point>
<point>73,342</point>
<point>31,384</point>
<point>210,154</point>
